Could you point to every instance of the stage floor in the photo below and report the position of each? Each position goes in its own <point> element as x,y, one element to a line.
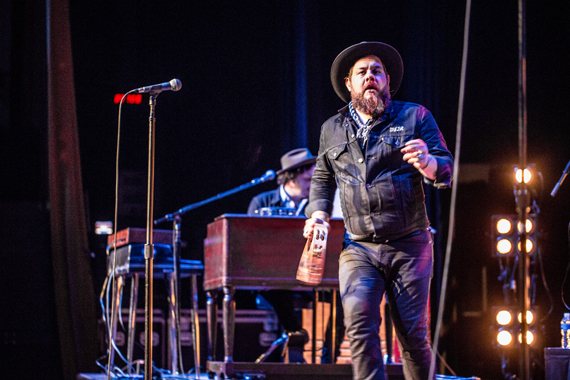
<point>266,371</point>
<point>103,376</point>
<point>273,371</point>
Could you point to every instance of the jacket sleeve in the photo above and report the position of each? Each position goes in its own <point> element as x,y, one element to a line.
<point>323,183</point>
<point>254,205</point>
<point>430,133</point>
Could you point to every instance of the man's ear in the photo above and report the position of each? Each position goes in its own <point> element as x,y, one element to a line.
<point>347,84</point>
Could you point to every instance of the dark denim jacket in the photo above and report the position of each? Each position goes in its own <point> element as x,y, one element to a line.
<point>381,195</point>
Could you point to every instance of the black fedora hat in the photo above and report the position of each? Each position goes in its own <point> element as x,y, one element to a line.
<point>295,159</point>
<point>347,58</point>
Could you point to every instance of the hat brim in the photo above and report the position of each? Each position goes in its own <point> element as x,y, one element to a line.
<point>308,161</point>
<point>347,58</point>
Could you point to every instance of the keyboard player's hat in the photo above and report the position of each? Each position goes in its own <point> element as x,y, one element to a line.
<point>295,159</point>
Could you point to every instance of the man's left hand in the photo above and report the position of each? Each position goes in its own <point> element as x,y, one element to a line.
<point>416,153</point>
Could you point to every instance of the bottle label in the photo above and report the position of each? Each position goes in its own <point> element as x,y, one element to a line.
<point>312,265</point>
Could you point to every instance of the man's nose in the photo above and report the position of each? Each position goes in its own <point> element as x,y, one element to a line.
<point>370,77</point>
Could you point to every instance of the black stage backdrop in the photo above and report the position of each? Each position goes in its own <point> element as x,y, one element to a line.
<point>256,84</point>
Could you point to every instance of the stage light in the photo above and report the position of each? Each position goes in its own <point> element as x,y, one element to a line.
<point>504,338</point>
<point>519,175</point>
<point>504,226</point>
<point>504,247</point>
<point>103,227</point>
<point>529,338</point>
<point>504,317</point>
<point>529,317</point>
<point>529,226</point>
<point>130,99</point>
<point>529,246</point>
<point>506,237</point>
<point>532,180</point>
<point>528,174</point>
<point>507,327</point>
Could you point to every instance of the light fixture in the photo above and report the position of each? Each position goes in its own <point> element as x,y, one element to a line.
<point>103,228</point>
<point>507,327</point>
<point>528,176</point>
<point>529,338</point>
<point>506,237</point>
<point>529,317</point>
<point>504,338</point>
<point>519,175</point>
<point>529,246</point>
<point>504,317</point>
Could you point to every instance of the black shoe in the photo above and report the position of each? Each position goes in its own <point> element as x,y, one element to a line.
<point>298,338</point>
<point>295,346</point>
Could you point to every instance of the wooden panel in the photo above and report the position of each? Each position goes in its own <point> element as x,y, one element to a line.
<point>263,252</point>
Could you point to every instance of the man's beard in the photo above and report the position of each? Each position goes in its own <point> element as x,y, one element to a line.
<point>373,105</point>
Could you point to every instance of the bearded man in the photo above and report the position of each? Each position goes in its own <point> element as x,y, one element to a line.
<point>378,151</point>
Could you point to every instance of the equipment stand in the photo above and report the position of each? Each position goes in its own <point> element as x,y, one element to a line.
<point>149,249</point>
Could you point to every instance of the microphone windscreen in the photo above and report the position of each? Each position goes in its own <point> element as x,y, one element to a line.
<point>175,84</point>
<point>269,175</point>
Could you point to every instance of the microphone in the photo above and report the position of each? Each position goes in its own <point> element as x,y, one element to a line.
<point>268,176</point>
<point>173,85</point>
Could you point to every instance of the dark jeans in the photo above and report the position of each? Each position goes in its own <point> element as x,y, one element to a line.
<point>402,269</point>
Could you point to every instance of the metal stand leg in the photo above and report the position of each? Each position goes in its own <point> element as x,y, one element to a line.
<point>132,319</point>
<point>173,323</point>
<point>195,326</point>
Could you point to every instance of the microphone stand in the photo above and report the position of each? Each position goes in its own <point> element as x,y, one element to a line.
<point>153,91</point>
<point>268,176</point>
<point>149,247</point>
<point>176,218</point>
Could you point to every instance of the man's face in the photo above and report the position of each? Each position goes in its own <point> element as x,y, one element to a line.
<point>304,181</point>
<point>368,84</point>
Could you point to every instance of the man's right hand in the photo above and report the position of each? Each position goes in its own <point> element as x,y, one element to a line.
<point>317,217</point>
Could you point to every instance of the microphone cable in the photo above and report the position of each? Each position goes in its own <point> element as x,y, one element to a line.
<point>111,284</point>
